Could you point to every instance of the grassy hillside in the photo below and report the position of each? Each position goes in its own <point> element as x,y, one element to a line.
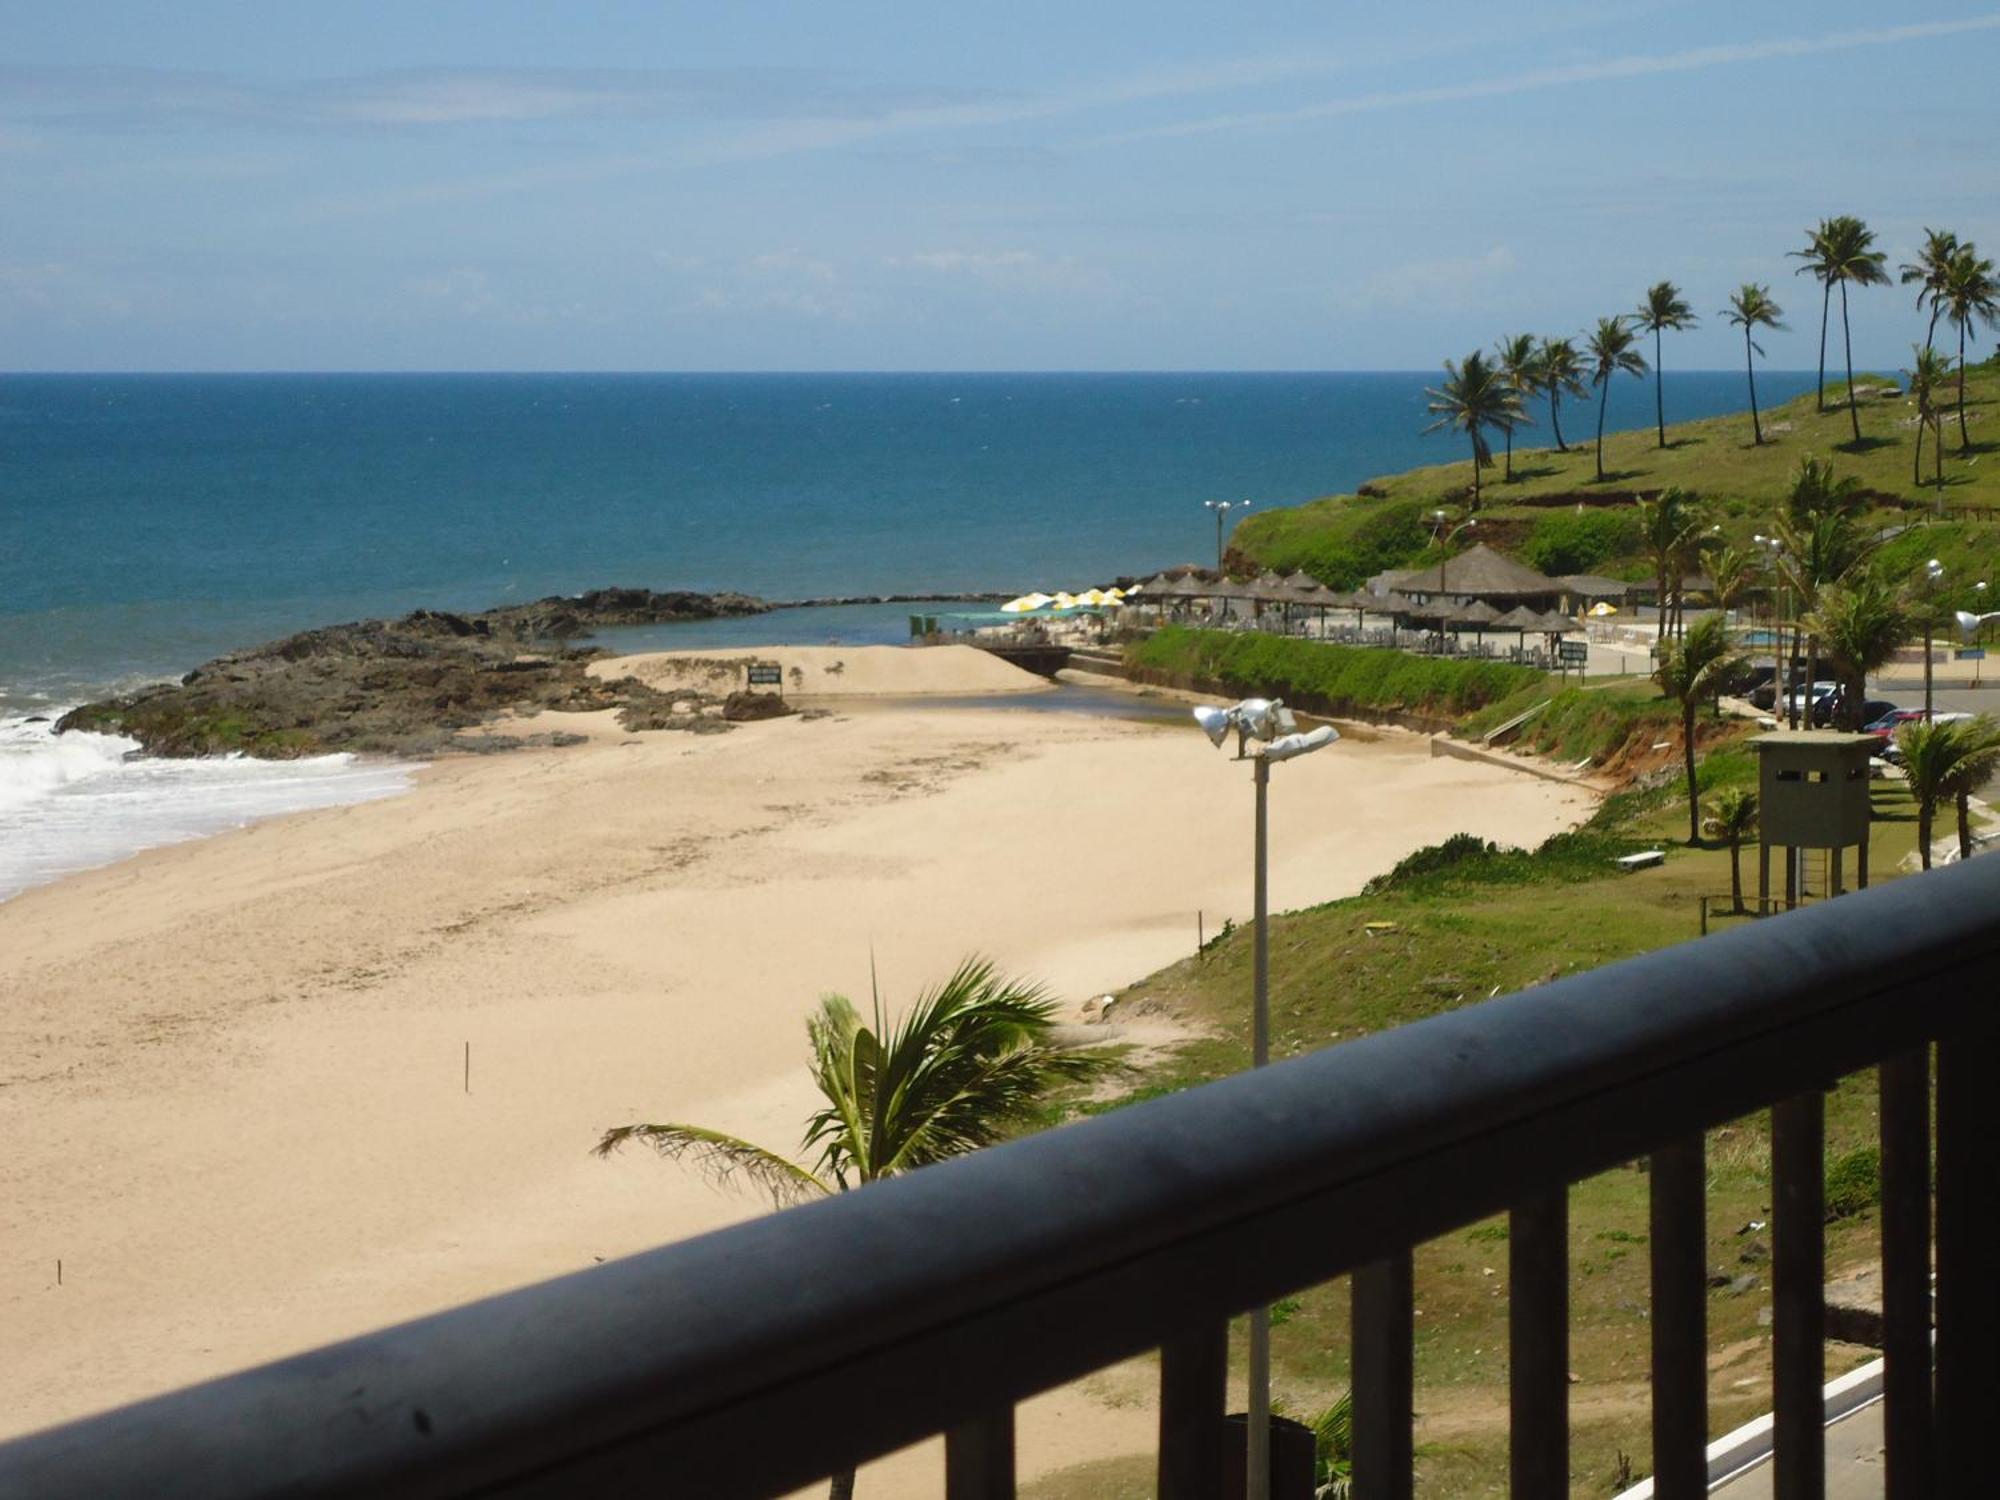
<point>1451,927</point>
<point>1556,516</point>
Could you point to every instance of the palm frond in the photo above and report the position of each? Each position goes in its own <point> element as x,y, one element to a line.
<point>722,1159</point>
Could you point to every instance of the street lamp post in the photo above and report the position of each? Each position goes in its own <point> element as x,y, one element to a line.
<point>1441,538</point>
<point>1933,576</point>
<point>1271,725</point>
<point>1780,668</point>
<point>1222,508</point>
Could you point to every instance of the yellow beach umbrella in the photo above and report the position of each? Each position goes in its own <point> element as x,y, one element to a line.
<point>1064,599</point>
<point>1025,603</point>
<point>1602,608</point>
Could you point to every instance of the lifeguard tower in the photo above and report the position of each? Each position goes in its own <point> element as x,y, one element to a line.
<point>1812,793</point>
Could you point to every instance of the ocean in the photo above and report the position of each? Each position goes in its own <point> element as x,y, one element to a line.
<point>148,523</point>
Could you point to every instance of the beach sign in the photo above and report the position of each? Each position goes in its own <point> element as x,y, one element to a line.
<point>765,674</point>
<point>1573,653</point>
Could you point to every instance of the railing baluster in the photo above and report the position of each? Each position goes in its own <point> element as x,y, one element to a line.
<point>979,1458</point>
<point>1382,1379</point>
<point>1968,1314</point>
<point>1538,1347</point>
<point>1798,1290</point>
<point>1678,1229</point>
<point>1194,1372</point>
<point>1906,1275</point>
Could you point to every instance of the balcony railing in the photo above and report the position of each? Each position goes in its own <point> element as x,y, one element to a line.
<point>749,1361</point>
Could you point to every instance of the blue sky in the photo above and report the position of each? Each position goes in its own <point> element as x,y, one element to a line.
<point>1333,185</point>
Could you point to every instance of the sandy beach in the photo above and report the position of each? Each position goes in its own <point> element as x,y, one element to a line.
<point>232,1073</point>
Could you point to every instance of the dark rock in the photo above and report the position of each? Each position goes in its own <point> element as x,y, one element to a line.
<point>400,687</point>
<point>741,708</point>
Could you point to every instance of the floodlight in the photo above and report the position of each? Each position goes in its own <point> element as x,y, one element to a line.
<point>1284,720</point>
<point>1256,715</point>
<point>1301,744</point>
<point>1214,722</point>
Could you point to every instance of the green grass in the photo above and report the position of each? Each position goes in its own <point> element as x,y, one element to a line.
<point>1559,518</point>
<point>1450,927</point>
<point>1327,678</point>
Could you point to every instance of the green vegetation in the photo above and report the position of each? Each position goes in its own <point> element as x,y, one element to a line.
<point>973,1059</point>
<point>1326,678</point>
<point>1451,926</point>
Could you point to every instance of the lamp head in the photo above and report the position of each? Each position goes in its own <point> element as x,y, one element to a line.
<point>1293,745</point>
<point>1214,723</point>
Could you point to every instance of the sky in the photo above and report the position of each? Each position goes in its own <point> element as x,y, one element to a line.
<point>500,185</point>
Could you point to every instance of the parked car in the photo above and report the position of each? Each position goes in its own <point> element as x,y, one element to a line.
<point>1872,709</point>
<point>1893,752</point>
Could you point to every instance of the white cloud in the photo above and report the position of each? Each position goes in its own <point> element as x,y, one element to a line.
<point>1633,66</point>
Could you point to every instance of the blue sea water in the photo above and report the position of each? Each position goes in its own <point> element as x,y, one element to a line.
<point>148,523</point>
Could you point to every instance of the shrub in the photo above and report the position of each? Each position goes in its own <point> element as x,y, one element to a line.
<point>1328,678</point>
<point>1567,542</point>
<point>1853,1182</point>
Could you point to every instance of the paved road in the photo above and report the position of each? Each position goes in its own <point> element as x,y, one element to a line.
<point>1853,1463</point>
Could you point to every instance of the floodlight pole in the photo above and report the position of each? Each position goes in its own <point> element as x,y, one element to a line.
<point>1258,1477</point>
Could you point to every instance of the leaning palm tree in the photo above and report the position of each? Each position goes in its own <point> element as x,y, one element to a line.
<point>1970,292</point>
<point>1662,307</point>
<point>973,1058</point>
<point>1929,272</point>
<point>1977,762</point>
<point>1860,623</point>
<point>1928,375</point>
<point>1611,353</point>
<point>1560,373</point>
<point>1734,817</point>
<point>1333,1450</point>
<point>1475,396</point>
<point>1521,366</point>
<point>1751,307</point>
<point>1931,753</point>
<point>1692,669</point>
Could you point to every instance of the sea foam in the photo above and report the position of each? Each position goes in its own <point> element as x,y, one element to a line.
<point>77,801</point>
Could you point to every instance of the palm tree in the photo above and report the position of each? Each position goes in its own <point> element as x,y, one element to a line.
<point>1978,760</point>
<point>1611,353</point>
<point>1929,271</point>
<point>1475,396</point>
<point>1860,622</point>
<point>1691,669</point>
<point>1816,551</point>
<point>1817,258</point>
<point>1734,817</point>
<point>1969,292</point>
<point>1560,372</point>
<point>1750,306</point>
<point>1851,258</point>
<point>1931,753</point>
<point>1669,528</point>
<point>1928,374</point>
<point>1662,307</point>
<point>974,1057</point>
<point>1817,490</point>
<point>1333,1450</point>
<point>1523,371</point>
<point>1732,572</point>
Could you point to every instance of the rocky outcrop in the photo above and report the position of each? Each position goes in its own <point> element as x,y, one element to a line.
<point>402,687</point>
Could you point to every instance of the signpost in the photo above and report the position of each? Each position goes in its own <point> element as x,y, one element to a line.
<point>765,674</point>
<point>1973,654</point>
<point>1573,654</point>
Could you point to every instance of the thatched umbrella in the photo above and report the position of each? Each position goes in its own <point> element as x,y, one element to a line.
<point>1477,614</point>
<point>1520,619</point>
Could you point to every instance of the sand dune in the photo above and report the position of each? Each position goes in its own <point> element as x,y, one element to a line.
<point>231,1072</point>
